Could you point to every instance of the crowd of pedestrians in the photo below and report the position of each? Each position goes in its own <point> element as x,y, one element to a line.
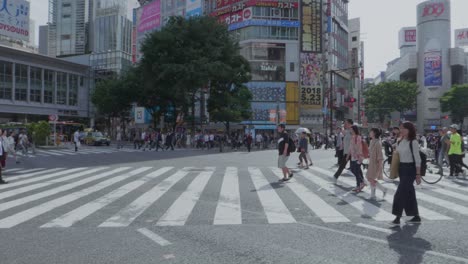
<point>352,147</point>
<point>10,144</point>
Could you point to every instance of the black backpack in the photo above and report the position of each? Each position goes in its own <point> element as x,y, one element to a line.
<point>423,160</point>
<point>291,145</point>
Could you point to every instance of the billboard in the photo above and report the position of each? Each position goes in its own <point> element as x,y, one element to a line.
<point>433,10</point>
<point>310,80</point>
<point>407,37</point>
<point>432,68</point>
<point>193,8</point>
<point>236,17</point>
<point>150,17</point>
<point>461,37</point>
<point>264,22</point>
<point>14,19</point>
<point>311,26</point>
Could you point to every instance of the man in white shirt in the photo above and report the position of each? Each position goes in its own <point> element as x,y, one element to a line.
<point>258,140</point>
<point>76,139</point>
<point>211,140</point>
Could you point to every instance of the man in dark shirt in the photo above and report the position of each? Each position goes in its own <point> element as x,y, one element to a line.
<point>283,149</point>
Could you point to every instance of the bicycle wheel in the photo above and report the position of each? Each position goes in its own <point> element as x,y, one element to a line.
<point>386,168</point>
<point>434,173</point>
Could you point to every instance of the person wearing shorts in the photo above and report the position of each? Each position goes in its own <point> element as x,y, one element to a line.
<point>283,149</point>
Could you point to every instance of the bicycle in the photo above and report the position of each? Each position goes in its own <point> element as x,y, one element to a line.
<point>431,177</point>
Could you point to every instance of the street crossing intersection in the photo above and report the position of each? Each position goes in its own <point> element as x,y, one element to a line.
<point>107,197</point>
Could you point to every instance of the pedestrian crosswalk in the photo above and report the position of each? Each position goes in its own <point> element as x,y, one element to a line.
<point>71,152</point>
<point>107,197</point>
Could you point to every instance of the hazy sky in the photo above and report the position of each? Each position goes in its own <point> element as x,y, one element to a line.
<point>380,22</point>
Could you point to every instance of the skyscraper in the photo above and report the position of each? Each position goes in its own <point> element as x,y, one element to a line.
<point>67,27</point>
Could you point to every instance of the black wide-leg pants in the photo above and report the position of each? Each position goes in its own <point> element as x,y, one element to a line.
<point>405,196</point>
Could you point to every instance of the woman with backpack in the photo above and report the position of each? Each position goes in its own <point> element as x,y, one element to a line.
<point>356,153</point>
<point>409,171</point>
<point>375,170</point>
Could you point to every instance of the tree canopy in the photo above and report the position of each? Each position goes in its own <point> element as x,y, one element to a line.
<point>454,101</point>
<point>186,56</point>
<point>387,97</point>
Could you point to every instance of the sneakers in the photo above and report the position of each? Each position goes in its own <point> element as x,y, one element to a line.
<point>284,179</point>
<point>415,220</point>
<point>291,175</point>
<point>396,222</point>
<point>3,182</point>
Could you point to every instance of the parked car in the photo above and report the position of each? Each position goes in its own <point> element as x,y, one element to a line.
<point>96,139</point>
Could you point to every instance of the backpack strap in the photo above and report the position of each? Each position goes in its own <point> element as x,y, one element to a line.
<point>412,153</point>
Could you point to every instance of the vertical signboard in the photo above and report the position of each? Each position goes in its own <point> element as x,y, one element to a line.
<point>432,68</point>
<point>311,26</point>
<point>193,8</point>
<point>150,17</point>
<point>310,91</point>
<point>14,19</point>
<point>461,37</point>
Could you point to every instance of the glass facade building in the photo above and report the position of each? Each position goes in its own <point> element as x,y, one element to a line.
<point>33,86</point>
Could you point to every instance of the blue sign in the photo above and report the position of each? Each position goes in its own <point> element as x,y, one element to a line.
<point>193,8</point>
<point>432,68</point>
<point>264,22</point>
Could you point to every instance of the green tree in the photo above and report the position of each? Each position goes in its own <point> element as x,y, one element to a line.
<point>113,97</point>
<point>39,132</point>
<point>181,59</point>
<point>454,101</point>
<point>387,97</point>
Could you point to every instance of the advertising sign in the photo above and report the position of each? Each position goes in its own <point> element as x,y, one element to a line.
<point>264,22</point>
<point>461,37</point>
<point>140,115</point>
<point>407,36</point>
<point>14,19</point>
<point>434,10</point>
<point>237,17</point>
<point>150,18</point>
<point>410,35</point>
<point>193,8</point>
<point>310,80</point>
<point>432,68</point>
<point>250,3</point>
<point>311,26</point>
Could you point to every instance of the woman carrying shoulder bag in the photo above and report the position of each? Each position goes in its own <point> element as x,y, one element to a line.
<point>375,170</point>
<point>355,151</point>
<point>409,171</point>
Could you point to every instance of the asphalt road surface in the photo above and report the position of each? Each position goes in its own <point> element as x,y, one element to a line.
<point>103,205</point>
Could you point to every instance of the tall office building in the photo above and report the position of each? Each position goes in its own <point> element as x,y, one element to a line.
<point>67,27</point>
<point>44,40</point>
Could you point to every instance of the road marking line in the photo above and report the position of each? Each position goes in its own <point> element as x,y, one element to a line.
<point>451,194</point>
<point>156,238</point>
<point>181,209</point>
<point>38,210</point>
<point>12,170</point>
<point>16,180</point>
<point>361,205</point>
<point>128,214</point>
<point>32,170</point>
<point>34,197</point>
<point>86,210</point>
<point>62,152</point>
<point>228,210</point>
<point>49,153</point>
<point>275,210</point>
<point>387,231</point>
<point>47,183</point>
<point>425,213</point>
<point>326,212</point>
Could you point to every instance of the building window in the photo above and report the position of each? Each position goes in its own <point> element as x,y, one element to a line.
<point>49,86</point>
<point>354,39</point>
<point>6,80</point>
<point>36,85</point>
<point>65,37</point>
<point>66,4</point>
<point>73,93</point>
<point>61,88</point>
<point>21,82</point>
<point>291,66</point>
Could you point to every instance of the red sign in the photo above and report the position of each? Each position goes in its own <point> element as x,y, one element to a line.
<point>462,35</point>
<point>434,9</point>
<point>53,118</point>
<point>236,17</point>
<point>410,35</point>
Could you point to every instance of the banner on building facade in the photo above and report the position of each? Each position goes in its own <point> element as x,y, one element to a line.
<point>193,8</point>
<point>14,19</point>
<point>310,92</point>
<point>150,18</point>
<point>433,68</point>
<point>311,26</point>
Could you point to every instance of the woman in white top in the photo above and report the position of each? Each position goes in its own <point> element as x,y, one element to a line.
<point>409,171</point>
